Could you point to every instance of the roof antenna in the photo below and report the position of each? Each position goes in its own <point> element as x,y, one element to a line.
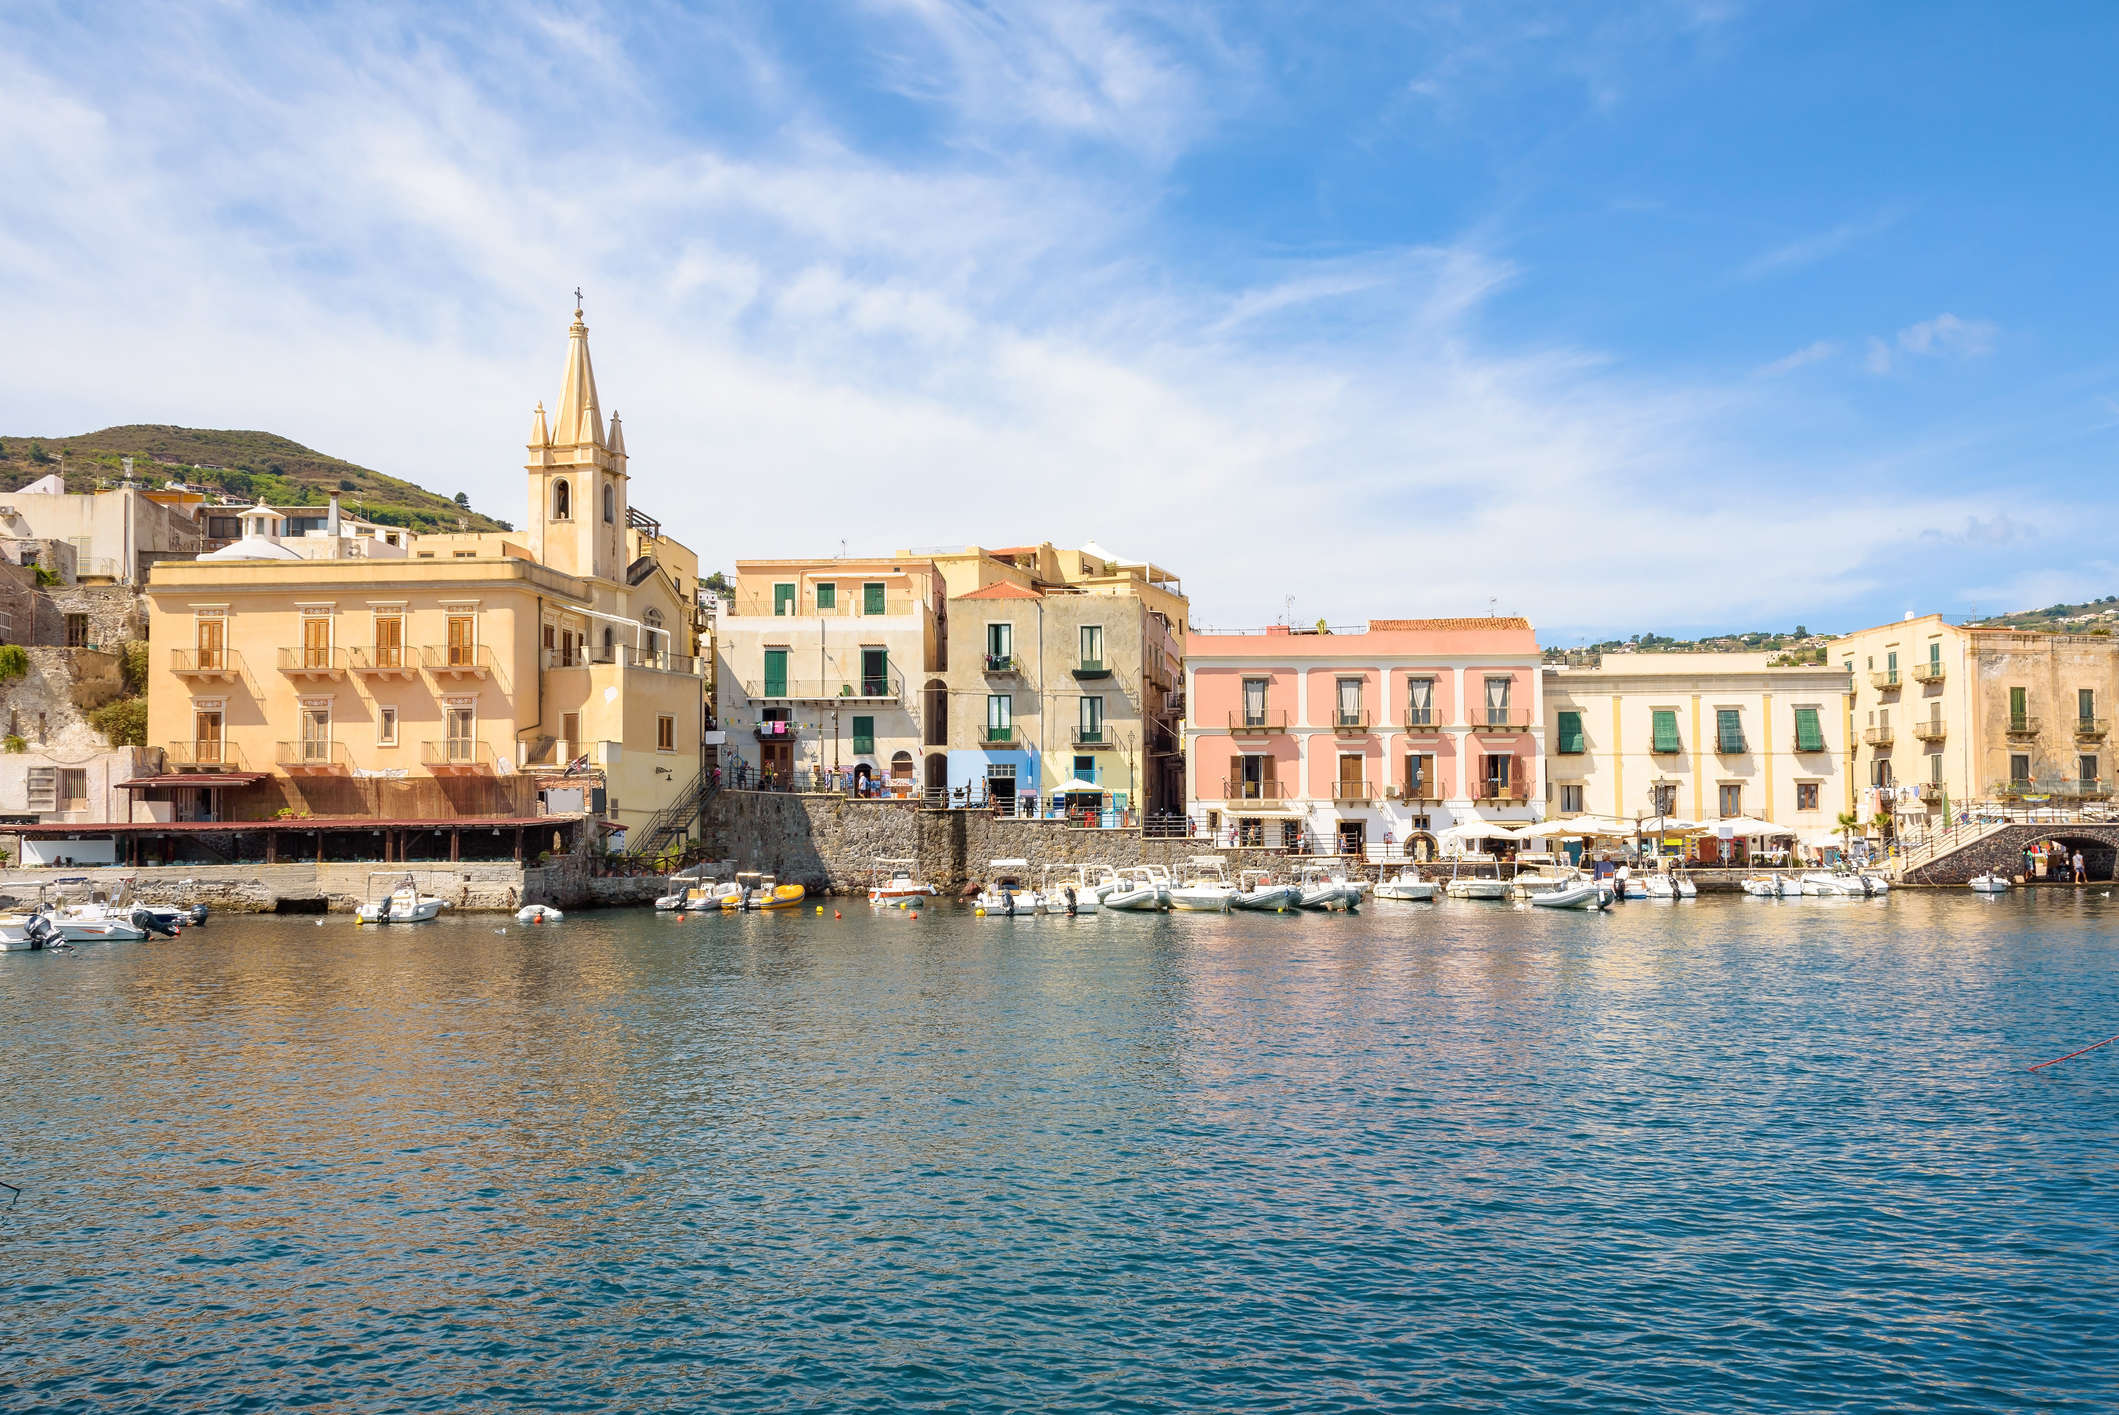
<point>1493,606</point>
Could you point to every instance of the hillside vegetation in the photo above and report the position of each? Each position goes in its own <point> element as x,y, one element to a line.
<point>2097,616</point>
<point>247,465</point>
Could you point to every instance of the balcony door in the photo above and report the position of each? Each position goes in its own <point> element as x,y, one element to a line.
<point>316,732</point>
<point>463,641</point>
<point>1497,692</point>
<point>1250,778</point>
<point>316,641</point>
<point>1254,702</point>
<point>390,640</point>
<point>1351,780</point>
<point>776,673</point>
<point>875,673</point>
<point>213,643</point>
<point>1496,774</point>
<point>206,747</point>
<point>1420,702</point>
<point>460,728</point>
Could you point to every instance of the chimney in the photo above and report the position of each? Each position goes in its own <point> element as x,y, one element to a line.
<point>331,521</point>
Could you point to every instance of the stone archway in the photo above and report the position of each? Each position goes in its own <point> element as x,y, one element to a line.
<point>2098,856</point>
<point>937,774</point>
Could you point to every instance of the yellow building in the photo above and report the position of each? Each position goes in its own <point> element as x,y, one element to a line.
<point>357,670</point>
<point>1948,714</point>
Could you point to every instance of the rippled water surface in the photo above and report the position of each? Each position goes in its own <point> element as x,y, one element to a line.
<point>1727,1155</point>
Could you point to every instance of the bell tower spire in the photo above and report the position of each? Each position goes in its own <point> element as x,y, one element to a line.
<point>577,521</point>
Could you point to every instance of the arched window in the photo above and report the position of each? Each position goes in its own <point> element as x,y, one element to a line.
<point>609,649</point>
<point>562,501</point>
<point>610,502</point>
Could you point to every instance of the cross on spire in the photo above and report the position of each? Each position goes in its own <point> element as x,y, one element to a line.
<point>577,299</point>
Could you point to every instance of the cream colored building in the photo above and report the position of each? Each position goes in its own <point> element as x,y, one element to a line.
<point>1701,736</point>
<point>1948,714</point>
<point>1063,665</point>
<point>361,669</point>
<point>832,666</point>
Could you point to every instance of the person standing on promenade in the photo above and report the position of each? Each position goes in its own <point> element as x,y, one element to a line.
<point>2081,875</point>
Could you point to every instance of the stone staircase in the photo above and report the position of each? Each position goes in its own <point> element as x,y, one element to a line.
<point>1946,841</point>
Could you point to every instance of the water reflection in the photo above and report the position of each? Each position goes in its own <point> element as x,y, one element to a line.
<point>1434,1155</point>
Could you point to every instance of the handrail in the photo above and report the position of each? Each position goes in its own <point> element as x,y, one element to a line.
<point>856,687</point>
<point>1267,721</point>
<point>1344,790</point>
<point>376,658</point>
<point>1928,672</point>
<point>458,752</point>
<point>205,661</point>
<point>1930,729</point>
<point>206,755</point>
<point>1350,721</point>
<point>1238,790</point>
<point>457,658</point>
<point>317,755</point>
<point>1885,678</point>
<point>1490,719</point>
<point>1877,736</point>
<point>2021,726</point>
<point>312,658</point>
<point>2091,726</point>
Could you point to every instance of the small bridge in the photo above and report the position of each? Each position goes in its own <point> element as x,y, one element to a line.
<point>1957,854</point>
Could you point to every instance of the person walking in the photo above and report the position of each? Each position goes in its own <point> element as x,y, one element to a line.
<point>2081,875</point>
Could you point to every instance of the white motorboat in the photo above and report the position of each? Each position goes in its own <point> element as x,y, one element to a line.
<point>1132,890</point>
<point>1989,883</point>
<point>1828,885</point>
<point>1407,886</point>
<point>1065,889</point>
<point>1316,889</point>
<point>1006,893</point>
<point>1160,878</point>
<point>538,914</point>
<point>1256,891</point>
<point>891,881</point>
<point>697,890</point>
<point>402,903</point>
<point>1464,886</point>
<point>1658,886</point>
<point>1685,887</point>
<point>1762,887</point>
<point>1206,889</point>
<point>1356,887</point>
<point>25,933</point>
<point>1578,892</point>
<point>92,923</point>
<point>1874,883</point>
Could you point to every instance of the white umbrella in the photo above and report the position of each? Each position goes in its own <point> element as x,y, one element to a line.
<point>1748,828</point>
<point>1555,830</point>
<point>1074,785</point>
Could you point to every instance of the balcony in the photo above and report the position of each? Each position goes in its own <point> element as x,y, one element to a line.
<point>1416,793</point>
<point>205,756</point>
<point>381,660</point>
<point>1251,724</point>
<point>1884,678</point>
<point>1350,723</point>
<point>661,660</point>
<point>1927,672</point>
<point>1421,720</point>
<point>1667,747</point>
<point>998,736</point>
<point>1498,793</point>
<point>1931,730</point>
<point>2091,729</point>
<point>2021,726</point>
<point>459,756</point>
<point>2090,789</point>
<point>313,661</point>
<point>1001,663</point>
<point>1091,739</point>
<point>1498,720</point>
<point>1732,744</point>
<point>1932,793</point>
<point>780,731</point>
<point>1092,668</point>
<point>458,660</point>
<point>857,692</point>
<point>1264,792</point>
<point>308,758</point>
<point>1877,736</point>
<point>207,665</point>
<point>1353,791</point>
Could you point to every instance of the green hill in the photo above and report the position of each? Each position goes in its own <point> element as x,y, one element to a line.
<point>2096,616</point>
<point>246,465</point>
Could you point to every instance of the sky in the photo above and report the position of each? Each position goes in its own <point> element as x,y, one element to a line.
<point>1682,315</point>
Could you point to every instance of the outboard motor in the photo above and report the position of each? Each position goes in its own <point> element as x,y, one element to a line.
<point>1068,890</point>
<point>38,931</point>
<point>152,922</point>
<point>198,915</point>
<point>1008,901</point>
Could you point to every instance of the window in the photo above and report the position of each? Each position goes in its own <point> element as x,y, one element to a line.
<point>1664,728</point>
<point>2085,699</point>
<point>562,501</point>
<point>875,673</point>
<point>2019,709</point>
<point>1254,702</point>
<point>1935,768</point>
<point>77,631</point>
<point>872,599</point>
<point>1420,781</point>
<point>390,640</point>
<point>1000,646</point>
<point>460,724</point>
<point>73,788</point>
<point>2019,769</point>
<point>1571,743</point>
<point>466,555</point>
<point>775,673</point>
<point>1891,669</point>
<point>570,731</point>
<point>1809,732</point>
<point>1419,702</point>
<point>1497,691</point>
<point>1092,720</point>
<point>223,527</point>
<point>213,652</point>
<point>1880,772</point>
<point>1352,784</point>
<point>1731,801</point>
<point>666,732</point>
<point>1291,836</point>
<point>610,645</point>
<point>316,638</point>
<point>1085,768</point>
<point>386,727</point>
<point>1663,798</point>
<point>1092,646</point>
<point>827,596</point>
<point>783,600</point>
<point>2086,770</point>
<point>1349,712</point>
<point>1250,778</point>
<point>1494,775</point>
<point>206,736</point>
<point>1728,731</point>
<point>1570,800</point>
<point>1935,655</point>
<point>610,504</point>
<point>463,640</point>
<point>1806,793</point>
<point>864,736</point>
<point>1000,717</point>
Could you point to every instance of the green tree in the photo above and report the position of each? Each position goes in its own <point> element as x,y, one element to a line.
<point>1848,823</point>
<point>37,453</point>
<point>123,722</point>
<point>14,662</point>
<point>132,663</point>
<point>463,499</point>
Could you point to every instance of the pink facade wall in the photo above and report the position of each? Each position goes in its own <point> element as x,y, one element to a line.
<point>1218,692</point>
<point>1325,752</point>
<point>1324,695</point>
<point>1208,765</point>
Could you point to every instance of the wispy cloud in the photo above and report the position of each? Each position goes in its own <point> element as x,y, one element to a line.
<point>1809,250</point>
<point>1945,336</point>
<point>1809,354</point>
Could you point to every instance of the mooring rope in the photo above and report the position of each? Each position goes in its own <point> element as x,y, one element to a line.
<point>2073,1054</point>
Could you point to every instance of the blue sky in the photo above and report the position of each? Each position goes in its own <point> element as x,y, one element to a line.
<point>1672,316</point>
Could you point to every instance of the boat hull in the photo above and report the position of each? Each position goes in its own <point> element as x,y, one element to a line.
<point>1145,899</point>
<point>1271,899</point>
<point>1574,896</point>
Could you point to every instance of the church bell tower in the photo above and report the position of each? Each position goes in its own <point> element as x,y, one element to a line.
<point>577,474</point>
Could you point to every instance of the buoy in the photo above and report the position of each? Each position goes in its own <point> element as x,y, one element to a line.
<point>916,916</point>
<point>981,911</point>
<point>356,921</point>
<point>820,908</point>
<point>834,913</point>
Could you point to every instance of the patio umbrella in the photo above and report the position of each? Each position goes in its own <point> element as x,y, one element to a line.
<point>1075,786</point>
<point>1748,828</point>
<point>1555,830</point>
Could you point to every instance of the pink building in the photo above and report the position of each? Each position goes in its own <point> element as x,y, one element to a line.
<point>1364,741</point>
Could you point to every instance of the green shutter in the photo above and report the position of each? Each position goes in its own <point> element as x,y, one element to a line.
<point>864,736</point>
<point>1729,731</point>
<point>1809,735</point>
<point>875,673</point>
<point>776,673</point>
<point>1666,730</point>
<point>872,598</point>
<point>827,596</point>
<point>1571,734</point>
<point>783,599</point>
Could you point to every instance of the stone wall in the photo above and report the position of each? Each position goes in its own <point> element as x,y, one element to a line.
<point>470,886</point>
<point>2002,853</point>
<point>115,614</point>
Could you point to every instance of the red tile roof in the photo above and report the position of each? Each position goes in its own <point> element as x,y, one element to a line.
<point>1379,626</point>
<point>1002,589</point>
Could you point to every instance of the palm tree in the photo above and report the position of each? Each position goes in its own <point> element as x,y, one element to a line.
<point>1848,822</point>
<point>1884,824</point>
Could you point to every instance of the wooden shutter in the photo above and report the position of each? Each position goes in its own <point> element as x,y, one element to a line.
<point>1234,786</point>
